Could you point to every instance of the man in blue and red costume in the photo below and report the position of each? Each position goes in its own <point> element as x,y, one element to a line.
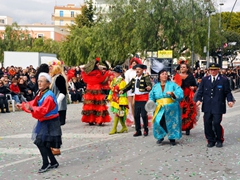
<point>213,92</point>
<point>47,133</point>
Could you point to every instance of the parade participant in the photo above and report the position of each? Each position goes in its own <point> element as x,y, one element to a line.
<point>186,80</point>
<point>59,88</point>
<point>42,68</point>
<point>140,85</point>
<point>47,132</point>
<point>167,115</point>
<point>213,92</point>
<point>118,103</point>
<point>129,74</point>
<point>94,110</point>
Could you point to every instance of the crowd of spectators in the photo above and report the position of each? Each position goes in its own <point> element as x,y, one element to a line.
<point>232,73</point>
<point>22,85</point>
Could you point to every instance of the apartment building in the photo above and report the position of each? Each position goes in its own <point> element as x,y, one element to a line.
<point>5,20</point>
<point>65,15</point>
<point>41,31</point>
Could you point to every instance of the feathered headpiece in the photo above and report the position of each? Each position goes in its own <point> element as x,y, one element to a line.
<point>56,62</point>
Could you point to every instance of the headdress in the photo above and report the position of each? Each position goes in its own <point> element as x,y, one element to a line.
<point>214,66</point>
<point>118,69</point>
<point>56,62</point>
<point>142,66</point>
<point>46,75</point>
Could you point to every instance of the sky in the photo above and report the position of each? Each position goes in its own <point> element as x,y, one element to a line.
<point>40,11</point>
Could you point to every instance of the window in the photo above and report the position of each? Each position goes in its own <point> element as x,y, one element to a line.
<point>61,13</point>
<point>40,35</point>
<point>61,22</point>
<point>72,13</point>
<point>72,22</point>
<point>2,21</point>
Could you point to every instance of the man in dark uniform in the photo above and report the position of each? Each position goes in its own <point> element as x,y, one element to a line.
<point>213,92</point>
<point>140,85</point>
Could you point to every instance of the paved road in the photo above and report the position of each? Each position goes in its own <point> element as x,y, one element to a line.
<point>88,152</point>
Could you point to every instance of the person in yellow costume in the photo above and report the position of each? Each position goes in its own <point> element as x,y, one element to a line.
<point>118,102</point>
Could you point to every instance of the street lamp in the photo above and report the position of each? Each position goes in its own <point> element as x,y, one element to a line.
<point>208,40</point>
<point>220,19</point>
<point>220,54</point>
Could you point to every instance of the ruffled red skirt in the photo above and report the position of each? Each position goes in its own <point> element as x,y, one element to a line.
<point>189,110</point>
<point>95,109</point>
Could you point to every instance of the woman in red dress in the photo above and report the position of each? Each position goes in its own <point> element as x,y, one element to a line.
<point>186,80</point>
<point>95,110</point>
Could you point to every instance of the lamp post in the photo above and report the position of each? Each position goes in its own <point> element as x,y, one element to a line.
<point>208,40</point>
<point>220,19</point>
<point>193,55</point>
<point>220,56</point>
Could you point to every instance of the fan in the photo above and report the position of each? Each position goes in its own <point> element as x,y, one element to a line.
<point>150,106</point>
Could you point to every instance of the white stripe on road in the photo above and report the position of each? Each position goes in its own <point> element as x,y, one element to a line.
<point>35,151</point>
<point>65,135</point>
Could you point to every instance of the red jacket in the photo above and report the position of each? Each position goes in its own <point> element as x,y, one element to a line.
<point>14,88</point>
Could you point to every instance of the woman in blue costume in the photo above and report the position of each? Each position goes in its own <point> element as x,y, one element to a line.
<point>167,116</point>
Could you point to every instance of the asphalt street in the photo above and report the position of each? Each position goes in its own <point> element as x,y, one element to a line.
<point>89,153</point>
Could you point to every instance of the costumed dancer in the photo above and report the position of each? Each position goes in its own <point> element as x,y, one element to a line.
<point>167,116</point>
<point>94,110</point>
<point>47,132</point>
<point>129,74</point>
<point>186,80</point>
<point>59,88</point>
<point>141,86</point>
<point>118,103</point>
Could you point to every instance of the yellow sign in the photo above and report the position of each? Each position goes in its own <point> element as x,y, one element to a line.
<point>165,54</point>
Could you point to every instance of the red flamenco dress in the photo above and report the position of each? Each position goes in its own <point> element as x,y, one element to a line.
<point>95,110</point>
<point>188,106</point>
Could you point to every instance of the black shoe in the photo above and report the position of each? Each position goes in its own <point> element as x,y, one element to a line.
<point>91,124</point>
<point>138,133</point>
<point>42,170</point>
<point>159,141</point>
<point>3,111</point>
<point>219,144</point>
<point>7,111</point>
<point>145,132</point>
<point>172,142</point>
<point>188,132</point>
<point>54,166</point>
<point>210,144</point>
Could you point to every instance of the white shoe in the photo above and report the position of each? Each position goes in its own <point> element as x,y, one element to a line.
<point>133,126</point>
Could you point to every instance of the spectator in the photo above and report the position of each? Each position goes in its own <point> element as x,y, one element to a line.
<point>25,91</point>
<point>32,84</point>
<point>3,98</point>
<point>15,91</point>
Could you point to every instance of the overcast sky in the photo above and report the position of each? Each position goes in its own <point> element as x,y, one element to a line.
<point>40,11</point>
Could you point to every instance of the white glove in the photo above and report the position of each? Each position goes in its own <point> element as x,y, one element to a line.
<point>61,96</point>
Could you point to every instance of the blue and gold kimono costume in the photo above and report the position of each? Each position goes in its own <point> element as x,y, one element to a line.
<point>171,111</point>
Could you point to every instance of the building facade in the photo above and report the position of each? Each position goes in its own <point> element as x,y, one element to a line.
<point>5,20</point>
<point>41,31</point>
<point>65,15</point>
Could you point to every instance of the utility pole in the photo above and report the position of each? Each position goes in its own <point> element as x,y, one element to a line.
<point>193,20</point>
<point>208,40</point>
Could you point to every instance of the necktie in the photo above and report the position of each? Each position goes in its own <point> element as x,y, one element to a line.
<point>213,80</point>
<point>138,83</point>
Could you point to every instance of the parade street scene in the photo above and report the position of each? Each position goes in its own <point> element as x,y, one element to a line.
<point>88,152</point>
<point>119,90</point>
